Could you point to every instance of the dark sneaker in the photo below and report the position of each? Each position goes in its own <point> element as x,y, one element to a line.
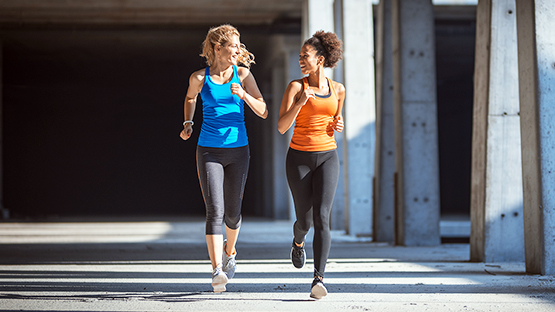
<point>318,290</point>
<point>229,263</point>
<point>298,255</point>
<point>219,279</point>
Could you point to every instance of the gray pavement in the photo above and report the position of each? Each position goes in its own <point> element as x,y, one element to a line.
<point>163,266</point>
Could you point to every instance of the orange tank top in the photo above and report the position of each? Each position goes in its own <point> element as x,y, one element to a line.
<point>313,125</point>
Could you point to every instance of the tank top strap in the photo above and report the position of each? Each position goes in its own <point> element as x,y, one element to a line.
<point>332,88</point>
<point>305,83</point>
<point>330,84</point>
<point>206,75</point>
<point>235,77</point>
<point>235,73</point>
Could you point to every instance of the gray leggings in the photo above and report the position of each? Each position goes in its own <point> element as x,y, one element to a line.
<point>222,174</point>
<point>312,178</point>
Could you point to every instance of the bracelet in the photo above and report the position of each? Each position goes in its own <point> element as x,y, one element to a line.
<point>188,121</point>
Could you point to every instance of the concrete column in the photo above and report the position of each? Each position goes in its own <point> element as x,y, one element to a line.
<point>536,61</point>
<point>496,193</point>
<point>323,15</point>
<point>4,212</point>
<point>338,220</point>
<point>359,113</point>
<point>283,53</point>
<point>416,140</point>
<point>384,169</point>
<point>317,15</point>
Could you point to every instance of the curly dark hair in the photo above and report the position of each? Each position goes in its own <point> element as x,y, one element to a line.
<point>328,45</point>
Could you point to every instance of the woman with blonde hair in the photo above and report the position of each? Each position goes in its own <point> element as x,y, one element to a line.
<point>314,104</point>
<point>222,149</point>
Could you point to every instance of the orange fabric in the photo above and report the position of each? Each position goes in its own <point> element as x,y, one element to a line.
<point>313,125</point>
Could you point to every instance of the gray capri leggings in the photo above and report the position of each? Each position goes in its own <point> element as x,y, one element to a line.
<point>222,174</point>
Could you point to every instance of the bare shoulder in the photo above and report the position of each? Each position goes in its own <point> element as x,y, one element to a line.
<point>296,85</point>
<point>197,76</point>
<point>339,87</point>
<point>243,72</point>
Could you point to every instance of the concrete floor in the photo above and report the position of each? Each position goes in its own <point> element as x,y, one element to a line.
<point>163,266</point>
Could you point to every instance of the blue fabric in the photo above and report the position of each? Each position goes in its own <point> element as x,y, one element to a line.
<point>223,114</point>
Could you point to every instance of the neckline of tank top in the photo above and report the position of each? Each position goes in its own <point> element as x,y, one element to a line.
<point>219,84</point>
<point>323,96</point>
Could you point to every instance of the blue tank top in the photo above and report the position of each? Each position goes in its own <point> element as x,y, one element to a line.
<point>223,114</point>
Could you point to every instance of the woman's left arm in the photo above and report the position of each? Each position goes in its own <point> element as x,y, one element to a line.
<point>338,118</point>
<point>250,94</point>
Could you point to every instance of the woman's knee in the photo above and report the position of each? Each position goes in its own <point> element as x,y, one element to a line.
<point>214,221</point>
<point>233,222</point>
<point>303,225</point>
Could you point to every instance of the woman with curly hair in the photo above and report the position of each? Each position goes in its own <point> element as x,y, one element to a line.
<point>314,103</point>
<point>222,149</point>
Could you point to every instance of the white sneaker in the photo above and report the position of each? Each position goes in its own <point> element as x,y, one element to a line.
<point>229,263</point>
<point>318,290</point>
<point>219,280</point>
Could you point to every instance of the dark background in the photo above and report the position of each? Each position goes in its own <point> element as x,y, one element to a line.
<point>91,120</point>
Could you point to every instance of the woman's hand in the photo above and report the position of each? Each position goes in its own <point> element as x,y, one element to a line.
<point>307,94</point>
<point>238,90</point>
<point>338,123</point>
<point>186,132</point>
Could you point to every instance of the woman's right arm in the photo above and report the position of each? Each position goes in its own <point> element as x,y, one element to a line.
<point>293,100</point>
<point>195,84</point>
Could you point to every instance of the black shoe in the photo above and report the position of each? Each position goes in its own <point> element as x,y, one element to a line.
<point>318,290</point>
<point>298,255</point>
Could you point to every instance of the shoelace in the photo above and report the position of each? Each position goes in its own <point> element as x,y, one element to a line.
<point>230,262</point>
<point>216,271</point>
<point>298,251</point>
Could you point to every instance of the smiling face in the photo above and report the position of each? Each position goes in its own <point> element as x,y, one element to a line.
<point>308,60</point>
<point>229,51</point>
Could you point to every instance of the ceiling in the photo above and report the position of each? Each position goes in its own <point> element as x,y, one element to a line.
<point>145,13</point>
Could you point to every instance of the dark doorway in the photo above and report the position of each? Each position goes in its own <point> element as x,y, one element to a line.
<point>92,118</point>
<point>455,41</point>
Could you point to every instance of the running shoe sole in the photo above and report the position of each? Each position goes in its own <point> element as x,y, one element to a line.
<point>318,291</point>
<point>219,282</point>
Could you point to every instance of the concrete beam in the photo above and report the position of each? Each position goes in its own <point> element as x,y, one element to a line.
<point>146,12</point>
<point>416,152</point>
<point>384,169</point>
<point>496,192</point>
<point>536,62</point>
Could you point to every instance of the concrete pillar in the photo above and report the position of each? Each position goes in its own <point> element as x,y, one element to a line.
<point>338,220</point>
<point>496,192</point>
<point>284,55</point>
<point>322,15</point>
<point>359,113</point>
<point>536,61</point>
<point>4,212</point>
<point>415,112</point>
<point>384,169</point>
<point>317,15</point>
